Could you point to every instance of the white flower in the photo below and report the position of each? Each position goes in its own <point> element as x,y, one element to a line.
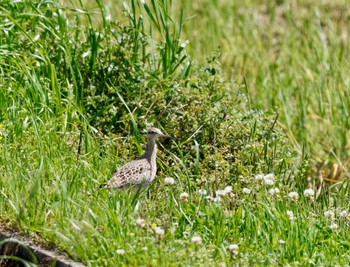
<point>220,193</point>
<point>233,249</point>
<point>159,232</point>
<point>290,215</point>
<point>259,176</point>
<point>269,176</point>
<point>329,214</point>
<point>196,239</point>
<point>184,197</point>
<point>228,189</point>
<point>246,190</point>
<point>140,222</point>
<point>174,227</point>
<point>282,242</point>
<point>344,214</point>
<point>309,193</point>
<point>269,181</point>
<point>169,181</point>
<point>224,192</point>
<point>120,251</point>
<point>274,191</point>
<point>293,196</point>
<point>144,248</point>
<point>202,192</point>
<point>216,199</point>
<point>333,226</point>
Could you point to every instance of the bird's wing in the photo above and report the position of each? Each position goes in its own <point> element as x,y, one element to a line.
<point>133,173</point>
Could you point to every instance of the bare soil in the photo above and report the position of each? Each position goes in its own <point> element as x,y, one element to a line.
<point>14,245</point>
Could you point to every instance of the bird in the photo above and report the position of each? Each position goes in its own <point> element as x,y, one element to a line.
<point>139,172</point>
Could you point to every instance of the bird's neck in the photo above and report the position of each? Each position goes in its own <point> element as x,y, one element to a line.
<point>151,150</point>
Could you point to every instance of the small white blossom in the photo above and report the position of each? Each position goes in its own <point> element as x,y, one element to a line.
<point>333,226</point>
<point>196,239</point>
<point>228,189</point>
<point>220,192</point>
<point>159,232</point>
<point>329,214</point>
<point>309,193</point>
<point>85,54</point>
<point>202,192</point>
<point>293,196</point>
<point>174,227</point>
<point>282,242</point>
<point>269,176</point>
<point>216,199</point>
<point>184,197</point>
<point>144,248</point>
<point>290,215</point>
<point>120,251</point>
<point>169,181</point>
<point>140,222</point>
<point>274,191</point>
<point>260,176</point>
<point>224,192</point>
<point>246,190</point>
<point>233,249</point>
<point>269,181</point>
<point>344,214</point>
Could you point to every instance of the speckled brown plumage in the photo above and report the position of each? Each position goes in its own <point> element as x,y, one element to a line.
<point>141,171</point>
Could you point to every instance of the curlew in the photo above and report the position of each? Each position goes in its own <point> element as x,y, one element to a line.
<point>142,170</point>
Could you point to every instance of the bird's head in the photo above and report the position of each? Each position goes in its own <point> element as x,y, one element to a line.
<point>154,133</point>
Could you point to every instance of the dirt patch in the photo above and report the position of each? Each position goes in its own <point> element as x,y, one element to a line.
<point>14,248</point>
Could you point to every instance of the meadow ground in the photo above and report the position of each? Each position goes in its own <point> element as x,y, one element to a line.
<point>260,125</point>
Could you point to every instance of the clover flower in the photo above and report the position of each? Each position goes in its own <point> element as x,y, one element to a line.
<point>329,214</point>
<point>274,191</point>
<point>159,232</point>
<point>120,251</point>
<point>290,215</point>
<point>309,193</point>
<point>196,240</point>
<point>184,197</point>
<point>202,192</point>
<point>169,181</point>
<point>260,176</point>
<point>293,196</point>
<point>246,190</point>
<point>140,222</point>
<point>334,226</point>
<point>233,249</point>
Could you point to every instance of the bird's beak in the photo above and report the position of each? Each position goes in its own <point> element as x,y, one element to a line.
<point>165,136</point>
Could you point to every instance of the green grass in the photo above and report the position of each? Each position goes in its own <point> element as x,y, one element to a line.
<point>73,70</point>
<point>293,56</point>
